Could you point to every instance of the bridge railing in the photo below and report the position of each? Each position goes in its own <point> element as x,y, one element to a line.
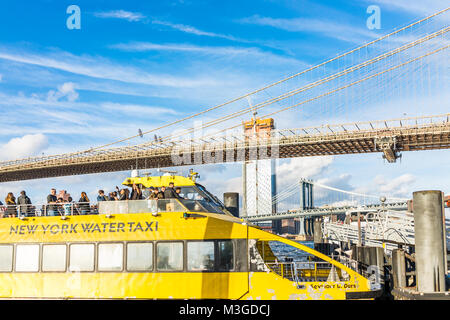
<point>425,122</point>
<point>429,124</point>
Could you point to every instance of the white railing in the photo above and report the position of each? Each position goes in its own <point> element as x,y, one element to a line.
<point>107,207</point>
<point>388,228</point>
<point>48,209</point>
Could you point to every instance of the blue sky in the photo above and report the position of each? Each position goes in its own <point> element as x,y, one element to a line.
<point>139,64</point>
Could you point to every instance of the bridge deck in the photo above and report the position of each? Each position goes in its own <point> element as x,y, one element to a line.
<point>426,133</point>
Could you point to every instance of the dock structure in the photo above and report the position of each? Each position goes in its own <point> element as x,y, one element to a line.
<point>407,251</point>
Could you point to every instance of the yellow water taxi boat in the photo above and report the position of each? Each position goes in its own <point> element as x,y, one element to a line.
<point>184,248</point>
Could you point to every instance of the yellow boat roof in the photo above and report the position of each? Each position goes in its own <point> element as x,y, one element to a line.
<point>159,181</point>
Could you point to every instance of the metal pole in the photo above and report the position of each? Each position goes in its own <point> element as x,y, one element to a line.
<point>399,268</point>
<point>244,189</point>
<point>318,236</point>
<point>430,242</point>
<point>359,230</point>
<point>380,260</point>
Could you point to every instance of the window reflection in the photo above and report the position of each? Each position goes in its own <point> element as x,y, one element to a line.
<point>200,255</point>
<point>225,255</point>
<point>54,257</point>
<point>169,256</point>
<point>139,256</point>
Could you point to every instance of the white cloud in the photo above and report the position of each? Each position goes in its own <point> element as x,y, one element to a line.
<point>226,52</point>
<point>296,168</point>
<point>330,197</point>
<point>137,16</point>
<point>326,28</point>
<point>100,68</point>
<point>121,14</point>
<point>195,31</point>
<point>416,7</point>
<point>66,90</point>
<point>137,109</point>
<point>1,77</point>
<point>28,145</point>
<point>400,186</point>
<point>148,46</point>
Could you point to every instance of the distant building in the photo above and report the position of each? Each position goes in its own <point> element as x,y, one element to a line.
<point>259,176</point>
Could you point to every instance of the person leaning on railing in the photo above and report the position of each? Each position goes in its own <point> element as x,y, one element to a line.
<point>83,204</point>
<point>52,203</point>
<point>24,203</point>
<point>10,202</point>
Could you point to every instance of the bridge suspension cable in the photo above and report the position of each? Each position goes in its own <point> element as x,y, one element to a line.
<point>395,32</point>
<point>286,193</point>
<point>355,193</point>
<point>373,71</point>
<point>317,83</point>
<point>312,85</point>
<point>337,89</point>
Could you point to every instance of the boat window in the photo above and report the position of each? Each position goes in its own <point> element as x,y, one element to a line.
<point>194,206</point>
<point>110,256</point>
<point>190,193</point>
<point>54,257</point>
<point>210,196</point>
<point>6,258</point>
<point>225,261</point>
<point>140,256</point>
<point>165,205</point>
<point>82,257</point>
<point>139,206</point>
<point>27,258</point>
<point>201,206</point>
<point>200,255</point>
<point>169,256</point>
<point>210,207</point>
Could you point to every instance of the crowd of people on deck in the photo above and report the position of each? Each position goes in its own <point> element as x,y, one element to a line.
<point>138,192</point>
<point>63,205</point>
